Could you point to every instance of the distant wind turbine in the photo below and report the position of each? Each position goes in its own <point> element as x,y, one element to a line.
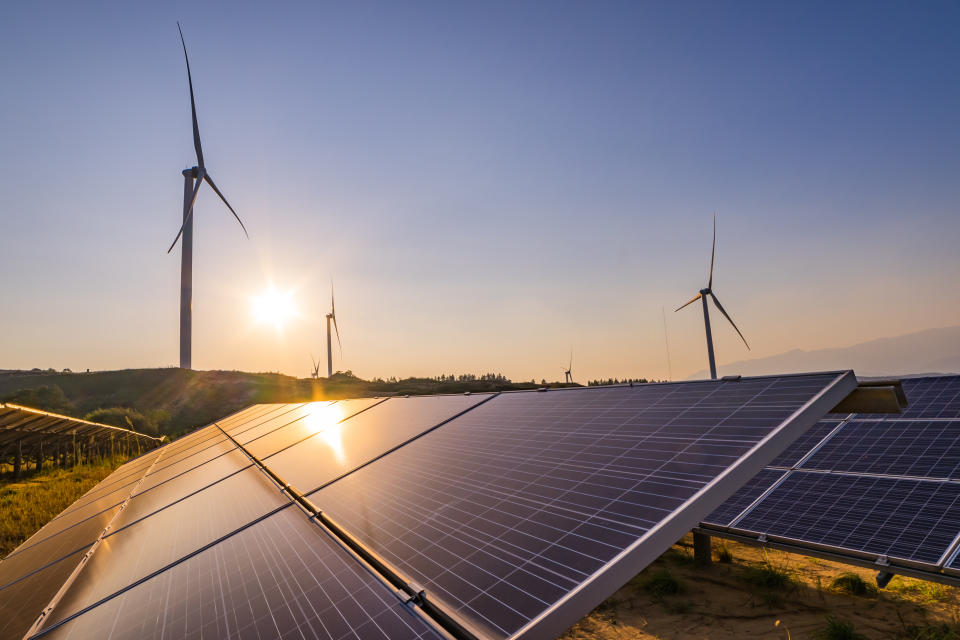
<point>708,291</point>
<point>568,372</point>
<point>193,179</point>
<point>332,316</point>
<point>316,367</point>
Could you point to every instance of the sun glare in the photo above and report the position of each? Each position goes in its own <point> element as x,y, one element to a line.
<point>273,308</point>
<point>324,420</point>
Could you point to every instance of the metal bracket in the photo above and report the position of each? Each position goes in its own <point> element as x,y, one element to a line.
<point>735,378</point>
<point>883,561</point>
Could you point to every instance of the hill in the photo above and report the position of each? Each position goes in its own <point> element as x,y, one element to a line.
<point>195,398</point>
<point>930,351</point>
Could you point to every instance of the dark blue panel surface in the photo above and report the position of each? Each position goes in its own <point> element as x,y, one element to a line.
<point>725,514</point>
<point>898,447</point>
<point>909,519</point>
<point>802,445</point>
<point>506,509</point>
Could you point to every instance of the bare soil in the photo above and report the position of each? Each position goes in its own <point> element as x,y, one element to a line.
<point>741,598</point>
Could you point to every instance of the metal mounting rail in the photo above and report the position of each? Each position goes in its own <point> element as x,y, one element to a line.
<point>410,593</point>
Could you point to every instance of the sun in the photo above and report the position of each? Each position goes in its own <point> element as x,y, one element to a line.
<point>273,307</point>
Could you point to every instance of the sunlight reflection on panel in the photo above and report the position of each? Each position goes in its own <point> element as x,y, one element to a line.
<point>324,420</point>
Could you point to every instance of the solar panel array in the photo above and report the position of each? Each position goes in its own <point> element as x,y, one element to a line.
<point>489,516</point>
<point>42,435</point>
<point>880,489</point>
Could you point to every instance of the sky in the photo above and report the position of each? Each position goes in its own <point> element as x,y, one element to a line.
<point>489,185</point>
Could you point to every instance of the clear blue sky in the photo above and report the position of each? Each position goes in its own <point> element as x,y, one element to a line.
<point>489,185</point>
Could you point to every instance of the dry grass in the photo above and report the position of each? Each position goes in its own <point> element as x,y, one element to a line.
<point>30,503</point>
<point>747,596</point>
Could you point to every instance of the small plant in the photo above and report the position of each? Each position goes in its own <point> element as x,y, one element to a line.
<point>660,584</point>
<point>853,584</point>
<point>768,575</point>
<point>724,554</point>
<point>837,629</point>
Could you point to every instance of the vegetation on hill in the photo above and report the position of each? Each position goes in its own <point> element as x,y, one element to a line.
<point>172,401</point>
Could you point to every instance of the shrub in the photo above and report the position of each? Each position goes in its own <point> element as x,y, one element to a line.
<point>837,629</point>
<point>853,584</point>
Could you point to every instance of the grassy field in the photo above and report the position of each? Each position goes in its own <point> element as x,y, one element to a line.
<point>31,502</point>
<point>749,593</point>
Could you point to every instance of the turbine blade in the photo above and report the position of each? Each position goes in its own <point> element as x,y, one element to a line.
<point>193,201</point>
<point>692,300</point>
<point>729,319</point>
<point>337,330</point>
<point>193,104</point>
<point>713,251</point>
<point>333,308</point>
<point>206,176</point>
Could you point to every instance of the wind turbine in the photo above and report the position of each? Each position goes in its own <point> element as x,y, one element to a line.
<point>568,372</point>
<point>332,316</point>
<point>193,178</point>
<point>708,291</point>
<point>316,367</point>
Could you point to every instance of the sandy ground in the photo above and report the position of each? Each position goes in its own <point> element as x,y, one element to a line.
<point>720,602</point>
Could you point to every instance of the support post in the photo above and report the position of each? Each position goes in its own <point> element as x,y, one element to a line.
<point>701,549</point>
<point>17,460</point>
<point>329,350</point>
<point>706,323</point>
<point>186,271</point>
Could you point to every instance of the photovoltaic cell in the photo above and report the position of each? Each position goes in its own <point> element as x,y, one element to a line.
<point>804,444</point>
<point>332,448</point>
<point>132,552</point>
<point>22,602</point>
<point>928,449</point>
<point>503,511</point>
<point>914,520</point>
<point>280,578</point>
<point>27,558</point>
<point>725,514</point>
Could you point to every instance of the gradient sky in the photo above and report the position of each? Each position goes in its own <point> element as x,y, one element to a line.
<point>489,185</point>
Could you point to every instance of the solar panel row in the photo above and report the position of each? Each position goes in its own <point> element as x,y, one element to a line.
<point>877,488</point>
<point>516,513</point>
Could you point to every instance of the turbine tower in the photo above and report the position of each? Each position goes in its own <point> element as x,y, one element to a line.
<point>332,316</point>
<point>568,371</point>
<point>193,178</point>
<point>708,291</point>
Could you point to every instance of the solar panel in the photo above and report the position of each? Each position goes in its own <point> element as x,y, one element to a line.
<point>878,491</point>
<point>22,601</point>
<point>914,520</point>
<point>802,445</point>
<point>312,418</point>
<point>929,449</point>
<point>133,552</point>
<point>517,512</point>
<point>726,513</point>
<point>329,448</point>
<point>507,513</point>
<point>280,578</point>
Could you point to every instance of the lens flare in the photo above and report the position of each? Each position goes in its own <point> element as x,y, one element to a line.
<point>273,308</point>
